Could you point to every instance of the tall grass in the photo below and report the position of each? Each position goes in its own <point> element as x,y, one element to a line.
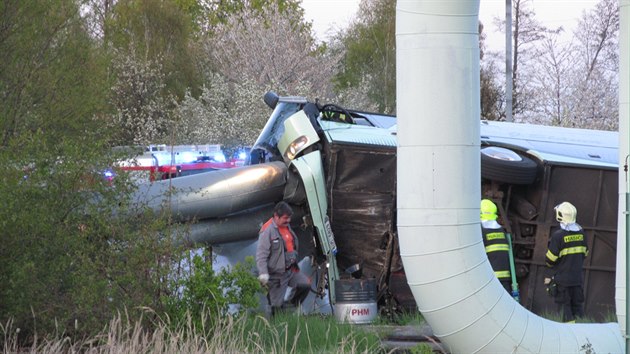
<point>312,334</point>
<point>288,333</point>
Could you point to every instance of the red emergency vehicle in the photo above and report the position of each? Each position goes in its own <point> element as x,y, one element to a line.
<point>163,162</point>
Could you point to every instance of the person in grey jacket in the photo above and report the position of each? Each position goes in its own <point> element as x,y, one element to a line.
<point>277,259</point>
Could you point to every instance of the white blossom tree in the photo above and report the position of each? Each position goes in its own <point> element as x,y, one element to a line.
<point>274,51</point>
<point>251,52</point>
<point>230,114</point>
<point>142,112</point>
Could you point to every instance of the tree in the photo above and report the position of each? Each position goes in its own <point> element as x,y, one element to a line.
<point>251,51</point>
<point>162,30</point>
<point>40,68</point>
<point>231,114</point>
<point>370,54</point>
<point>575,84</point>
<point>70,257</point>
<point>552,83</point>
<point>367,78</point>
<point>490,92</point>
<point>596,95</point>
<point>526,33</point>
<point>271,49</point>
<point>142,107</point>
<point>215,13</point>
<point>96,14</point>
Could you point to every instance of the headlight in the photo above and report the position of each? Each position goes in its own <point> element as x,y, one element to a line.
<point>298,135</point>
<point>296,146</point>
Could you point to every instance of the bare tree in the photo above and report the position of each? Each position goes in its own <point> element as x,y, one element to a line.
<point>597,34</point>
<point>552,83</point>
<point>596,93</point>
<point>491,93</point>
<point>571,83</point>
<point>527,31</point>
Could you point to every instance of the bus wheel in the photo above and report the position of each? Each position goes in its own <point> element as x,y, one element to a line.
<point>504,165</point>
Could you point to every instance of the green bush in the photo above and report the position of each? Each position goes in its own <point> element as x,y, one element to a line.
<point>204,295</point>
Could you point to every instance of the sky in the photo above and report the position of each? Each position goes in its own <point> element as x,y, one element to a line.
<point>335,14</point>
<point>329,14</point>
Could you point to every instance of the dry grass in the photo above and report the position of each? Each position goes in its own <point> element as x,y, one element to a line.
<point>253,334</point>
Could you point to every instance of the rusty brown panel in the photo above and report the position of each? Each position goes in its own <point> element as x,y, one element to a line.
<point>602,250</point>
<point>600,295</point>
<point>361,224</point>
<point>364,168</point>
<point>361,186</point>
<point>592,191</point>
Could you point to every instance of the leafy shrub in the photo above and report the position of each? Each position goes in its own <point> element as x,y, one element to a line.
<point>206,294</point>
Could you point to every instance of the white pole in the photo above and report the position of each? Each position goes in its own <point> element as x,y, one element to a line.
<point>508,62</point>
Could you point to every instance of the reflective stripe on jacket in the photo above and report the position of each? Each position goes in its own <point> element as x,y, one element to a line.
<point>565,256</point>
<point>497,248</point>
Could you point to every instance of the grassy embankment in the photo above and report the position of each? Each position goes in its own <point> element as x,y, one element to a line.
<point>286,333</point>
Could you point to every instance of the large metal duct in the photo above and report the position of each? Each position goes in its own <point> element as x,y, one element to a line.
<point>216,193</point>
<point>438,169</point>
<point>242,226</point>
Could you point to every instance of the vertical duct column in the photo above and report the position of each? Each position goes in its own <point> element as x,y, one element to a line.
<point>439,181</point>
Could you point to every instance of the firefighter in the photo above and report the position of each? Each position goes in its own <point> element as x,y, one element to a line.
<point>496,243</point>
<point>565,257</point>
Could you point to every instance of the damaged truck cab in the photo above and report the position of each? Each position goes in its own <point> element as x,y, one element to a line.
<point>341,175</point>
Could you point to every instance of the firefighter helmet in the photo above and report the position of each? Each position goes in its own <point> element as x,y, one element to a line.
<point>566,213</point>
<point>488,210</point>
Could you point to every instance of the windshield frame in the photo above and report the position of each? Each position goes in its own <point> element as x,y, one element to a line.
<point>266,146</point>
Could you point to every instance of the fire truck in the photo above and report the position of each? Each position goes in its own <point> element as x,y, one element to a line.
<point>164,161</point>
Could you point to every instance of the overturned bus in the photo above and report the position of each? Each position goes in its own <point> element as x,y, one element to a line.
<point>337,168</point>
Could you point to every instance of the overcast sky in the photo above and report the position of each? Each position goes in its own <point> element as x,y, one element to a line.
<point>327,14</point>
<point>335,14</point>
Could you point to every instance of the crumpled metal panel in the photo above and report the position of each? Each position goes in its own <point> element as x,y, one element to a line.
<point>360,184</point>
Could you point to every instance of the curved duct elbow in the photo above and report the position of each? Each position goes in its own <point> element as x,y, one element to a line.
<point>439,189</point>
